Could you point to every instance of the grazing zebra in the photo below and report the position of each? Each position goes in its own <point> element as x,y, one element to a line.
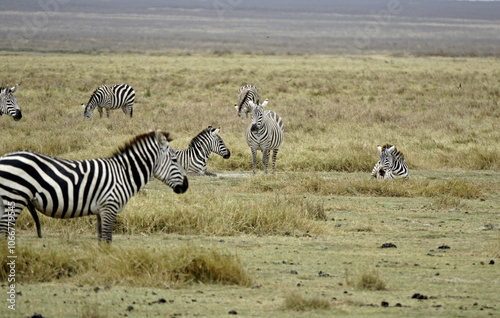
<point>194,158</point>
<point>246,94</point>
<point>8,103</point>
<point>265,133</point>
<point>391,164</point>
<point>110,97</point>
<point>63,188</point>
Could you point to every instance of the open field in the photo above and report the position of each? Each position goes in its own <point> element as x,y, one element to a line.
<point>305,238</point>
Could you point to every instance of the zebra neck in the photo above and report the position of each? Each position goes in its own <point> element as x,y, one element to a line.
<point>137,169</point>
<point>200,150</point>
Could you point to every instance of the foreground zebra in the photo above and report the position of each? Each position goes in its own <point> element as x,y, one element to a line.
<point>8,103</point>
<point>63,188</point>
<point>391,164</point>
<point>246,94</point>
<point>265,133</point>
<point>194,158</point>
<point>110,97</point>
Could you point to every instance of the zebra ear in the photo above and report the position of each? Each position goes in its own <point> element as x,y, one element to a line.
<point>391,149</point>
<point>83,105</point>
<point>379,148</point>
<point>215,132</point>
<point>264,104</point>
<point>14,88</point>
<point>161,139</point>
<point>236,107</point>
<point>251,103</point>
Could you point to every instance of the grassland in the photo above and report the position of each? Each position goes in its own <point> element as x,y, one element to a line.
<point>306,239</point>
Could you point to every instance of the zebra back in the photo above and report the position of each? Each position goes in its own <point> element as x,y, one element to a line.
<point>110,97</point>
<point>8,103</point>
<point>391,163</point>
<point>246,94</point>
<point>195,157</point>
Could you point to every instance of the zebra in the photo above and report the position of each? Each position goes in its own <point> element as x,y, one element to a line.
<point>194,158</point>
<point>246,94</point>
<point>391,164</point>
<point>62,188</point>
<point>8,103</point>
<point>110,97</point>
<point>265,133</point>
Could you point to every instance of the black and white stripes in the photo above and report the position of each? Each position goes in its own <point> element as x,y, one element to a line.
<point>63,188</point>
<point>265,133</point>
<point>110,97</point>
<point>391,164</point>
<point>8,103</point>
<point>246,94</point>
<point>194,158</point>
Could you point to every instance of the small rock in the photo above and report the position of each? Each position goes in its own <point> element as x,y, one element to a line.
<point>294,272</point>
<point>492,262</point>
<point>130,308</point>
<point>233,312</point>
<point>36,315</point>
<point>388,245</point>
<point>419,296</point>
<point>444,247</point>
<point>384,304</point>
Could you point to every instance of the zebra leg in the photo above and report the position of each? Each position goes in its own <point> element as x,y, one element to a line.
<point>275,154</point>
<point>105,223</point>
<point>100,111</point>
<point>32,210</point>
<point>107,112</point>
<point>254,158</point>
<point>265,159</point>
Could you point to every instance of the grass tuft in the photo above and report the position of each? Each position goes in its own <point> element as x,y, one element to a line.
<point>295,301</point>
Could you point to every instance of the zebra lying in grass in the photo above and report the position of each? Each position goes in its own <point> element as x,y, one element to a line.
<point>194,158</point>
<point>110,97</point>
<point>265,133</point>
<point>391,164</point>
<point>8,103</point>
<point>63,188</point>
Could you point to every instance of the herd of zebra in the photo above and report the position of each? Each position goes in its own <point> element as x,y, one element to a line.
<point>62,188</point>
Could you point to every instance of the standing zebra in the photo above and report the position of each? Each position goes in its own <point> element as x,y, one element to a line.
<point>194,158</point>
<point>8,103</point>
<point>110,97</point>
<point>391,164</point>
<point>246,94</point>
<point>265,133</point>
<point>63,188</point>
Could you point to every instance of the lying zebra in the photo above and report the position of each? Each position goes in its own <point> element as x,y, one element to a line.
<point>194,158</point>
<point>391,164</point>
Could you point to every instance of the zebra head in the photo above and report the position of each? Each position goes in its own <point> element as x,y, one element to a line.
<point>386,155</point>
<point>87,111</point>
<point>257,112</point>
<point>167,169</point>
<point>8,103</point>
<point>218,146</point>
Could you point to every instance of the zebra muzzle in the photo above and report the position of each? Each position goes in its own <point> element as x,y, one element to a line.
<point>18,115</point>
<point>181,188</point>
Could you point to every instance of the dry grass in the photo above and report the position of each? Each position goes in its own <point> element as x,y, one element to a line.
<point>319,212</point>
<point>110,265</point>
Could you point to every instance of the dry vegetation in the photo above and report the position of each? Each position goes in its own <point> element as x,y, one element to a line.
<point>319,212</point>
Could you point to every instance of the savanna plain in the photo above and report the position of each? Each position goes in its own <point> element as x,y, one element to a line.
<point>306,241</point>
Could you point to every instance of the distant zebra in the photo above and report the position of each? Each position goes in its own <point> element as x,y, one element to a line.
<point>110,97</point>
<point>8,103</point>
<point>391,164</point>
<point>194,158</point>
<point>246,94</point>
<point>265,133</point>
<point>63,188</point>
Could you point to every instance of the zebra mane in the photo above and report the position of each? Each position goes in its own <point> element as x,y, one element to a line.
<point>195,139</point>
<point>138,139</point>
<point>396,152</point>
